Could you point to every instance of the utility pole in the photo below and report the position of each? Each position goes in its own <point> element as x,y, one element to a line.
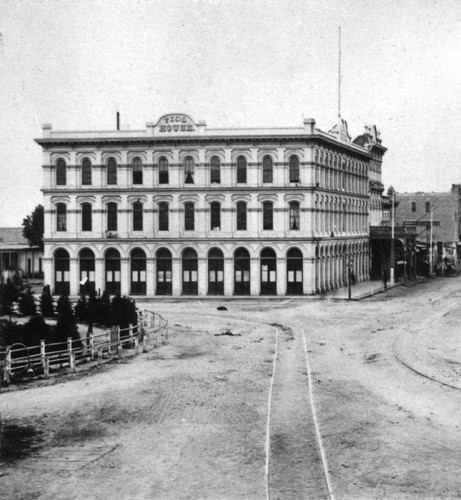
<point>391,277</point>
<point>430,243</point>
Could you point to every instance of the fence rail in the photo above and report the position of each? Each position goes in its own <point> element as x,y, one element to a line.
<point>150,331</point>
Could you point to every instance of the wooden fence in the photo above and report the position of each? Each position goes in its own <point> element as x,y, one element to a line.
<point>151,330</point>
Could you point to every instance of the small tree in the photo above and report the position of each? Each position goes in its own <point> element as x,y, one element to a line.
<point>46,303</point>
<point>27,303</point>
<point>36,330</point>
<point>66,325</point>
<point>104,310</point>
<point>81,309</point>
<point>8,295</point>
<point>33,227</point>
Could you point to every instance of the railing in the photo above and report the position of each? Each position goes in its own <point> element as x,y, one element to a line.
<point>151,330</point>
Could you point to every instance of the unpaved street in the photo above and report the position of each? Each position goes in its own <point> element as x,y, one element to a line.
<point>224,410</point>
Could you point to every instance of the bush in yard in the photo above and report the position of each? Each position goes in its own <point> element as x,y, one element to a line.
<point>81,309</point>
<point>36,330</point>
<point>123,311</point>
<point>66,325</point>
<point>46,303</point>
<point>104,310</point>
<point>10,333</point>
<point>8,295</point>
<point>27,303</point>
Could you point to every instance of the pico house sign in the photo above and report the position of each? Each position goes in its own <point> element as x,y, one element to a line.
<point>175,124</point>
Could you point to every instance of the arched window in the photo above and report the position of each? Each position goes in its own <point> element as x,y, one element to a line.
<point>61,217</point>
<point>61,272</point>
<point>268,170</point>
<point>61,173</point>
<point>241,216</point>
<point>189,170</point>
<point>294,169</point>
<point>268,216</point>
<point>215,272</point>
<point>112,216</point>
<point>294,272</point>
<point>138,272</point>
<point>241,170</point>
<point>137,171</point>
<point>87,222</point>
<point>294,216</point>
<point>215,217</point>
<point>163,171</point>
<point>189,216</point>
<point>86,172</point>
<point>112,259</point>
<point>241,272</point>
<point>87,271</point>
<point>189,272</point>
<point>137,216</point>
<point>268,272</point>
<point>215,170</point>
<point>111,171</point>
<point>163,217</point>
<point>164,272</point>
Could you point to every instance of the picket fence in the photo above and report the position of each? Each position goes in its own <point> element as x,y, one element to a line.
<point>17,359</point>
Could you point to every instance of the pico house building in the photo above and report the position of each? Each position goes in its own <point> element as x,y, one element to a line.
<point>182,209</point>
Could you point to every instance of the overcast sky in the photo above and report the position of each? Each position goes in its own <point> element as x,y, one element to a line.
<point>231,63</point>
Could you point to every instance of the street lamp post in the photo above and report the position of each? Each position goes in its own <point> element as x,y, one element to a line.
<point>392,239</point>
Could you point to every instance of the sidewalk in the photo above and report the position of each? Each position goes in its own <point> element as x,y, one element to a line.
<point>359,290</point>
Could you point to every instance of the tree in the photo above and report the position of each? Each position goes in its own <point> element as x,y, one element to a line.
<point>27,303</point>
<point>36,330</point>
<point>8,295</point>
<point>66,326</point>
<point>34,227</point>
<point>46,303</point>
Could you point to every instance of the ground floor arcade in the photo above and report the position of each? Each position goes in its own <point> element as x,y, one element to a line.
<point>206,268</point>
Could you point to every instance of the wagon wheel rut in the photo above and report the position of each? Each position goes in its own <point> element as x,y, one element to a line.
<point>295,467</point>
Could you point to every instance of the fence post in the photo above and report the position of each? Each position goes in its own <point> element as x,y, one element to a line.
<point>91,340</point>
<point>136,345</point>
<point>69,350</point>
<point>46,368</point>
<point>119,345</point>
<point>43,354</point>
<point>99,357</point>
<point>130,332</point>
<point>6,373</point>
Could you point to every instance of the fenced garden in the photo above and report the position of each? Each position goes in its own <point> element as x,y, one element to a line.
<point>50,340</point>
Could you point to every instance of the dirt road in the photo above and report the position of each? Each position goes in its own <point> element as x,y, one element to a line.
<point>224,410</point>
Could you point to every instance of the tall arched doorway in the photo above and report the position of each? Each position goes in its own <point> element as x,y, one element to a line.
<point>138,272</point>
<point>189,272</point>
<point>61,272</point>
<point>241,272</point>
<point>294,272</point>
<point>164,272</point>
<point>112,259</point>
<point>268,272</point>
<point>215,272</point>
<point>87,271</point>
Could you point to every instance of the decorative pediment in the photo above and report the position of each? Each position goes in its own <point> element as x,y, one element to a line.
<point>340,131</point>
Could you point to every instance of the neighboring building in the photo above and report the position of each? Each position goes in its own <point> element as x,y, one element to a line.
<point>415,210</point>
<point>16,255</point>
<point>182,209</point>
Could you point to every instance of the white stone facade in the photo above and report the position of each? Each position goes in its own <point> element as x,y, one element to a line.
<point>179,209</point>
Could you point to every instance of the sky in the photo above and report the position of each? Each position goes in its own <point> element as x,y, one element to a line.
<point>232,63</point>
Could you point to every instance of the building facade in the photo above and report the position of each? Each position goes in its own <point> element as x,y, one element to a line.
<point>435,218</point>
<point>182,209</point>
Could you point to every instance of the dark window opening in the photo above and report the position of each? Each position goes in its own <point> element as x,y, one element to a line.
<point>241,216</point>
<point>189,216</point>
<point>268,216</point>
<point>87,222</point>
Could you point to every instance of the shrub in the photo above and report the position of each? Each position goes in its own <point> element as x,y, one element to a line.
<point>104,310</point>
<point>46,303</point>
<point>36,330</point>
<point>27,303</point>
<point>66,325</point>
<point>8,295</point>
<point>81,309</point>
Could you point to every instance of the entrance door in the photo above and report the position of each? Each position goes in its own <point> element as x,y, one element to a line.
<point>138,272</point>
<point>87,273</point>
<point>215,272</point>
<point>268,272</point>
<point>189,272</point>
<point>164,272</point>
<point>294,272</point>
<point>61,272</point>
<point>113,283</point>
<point>241,272</point>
